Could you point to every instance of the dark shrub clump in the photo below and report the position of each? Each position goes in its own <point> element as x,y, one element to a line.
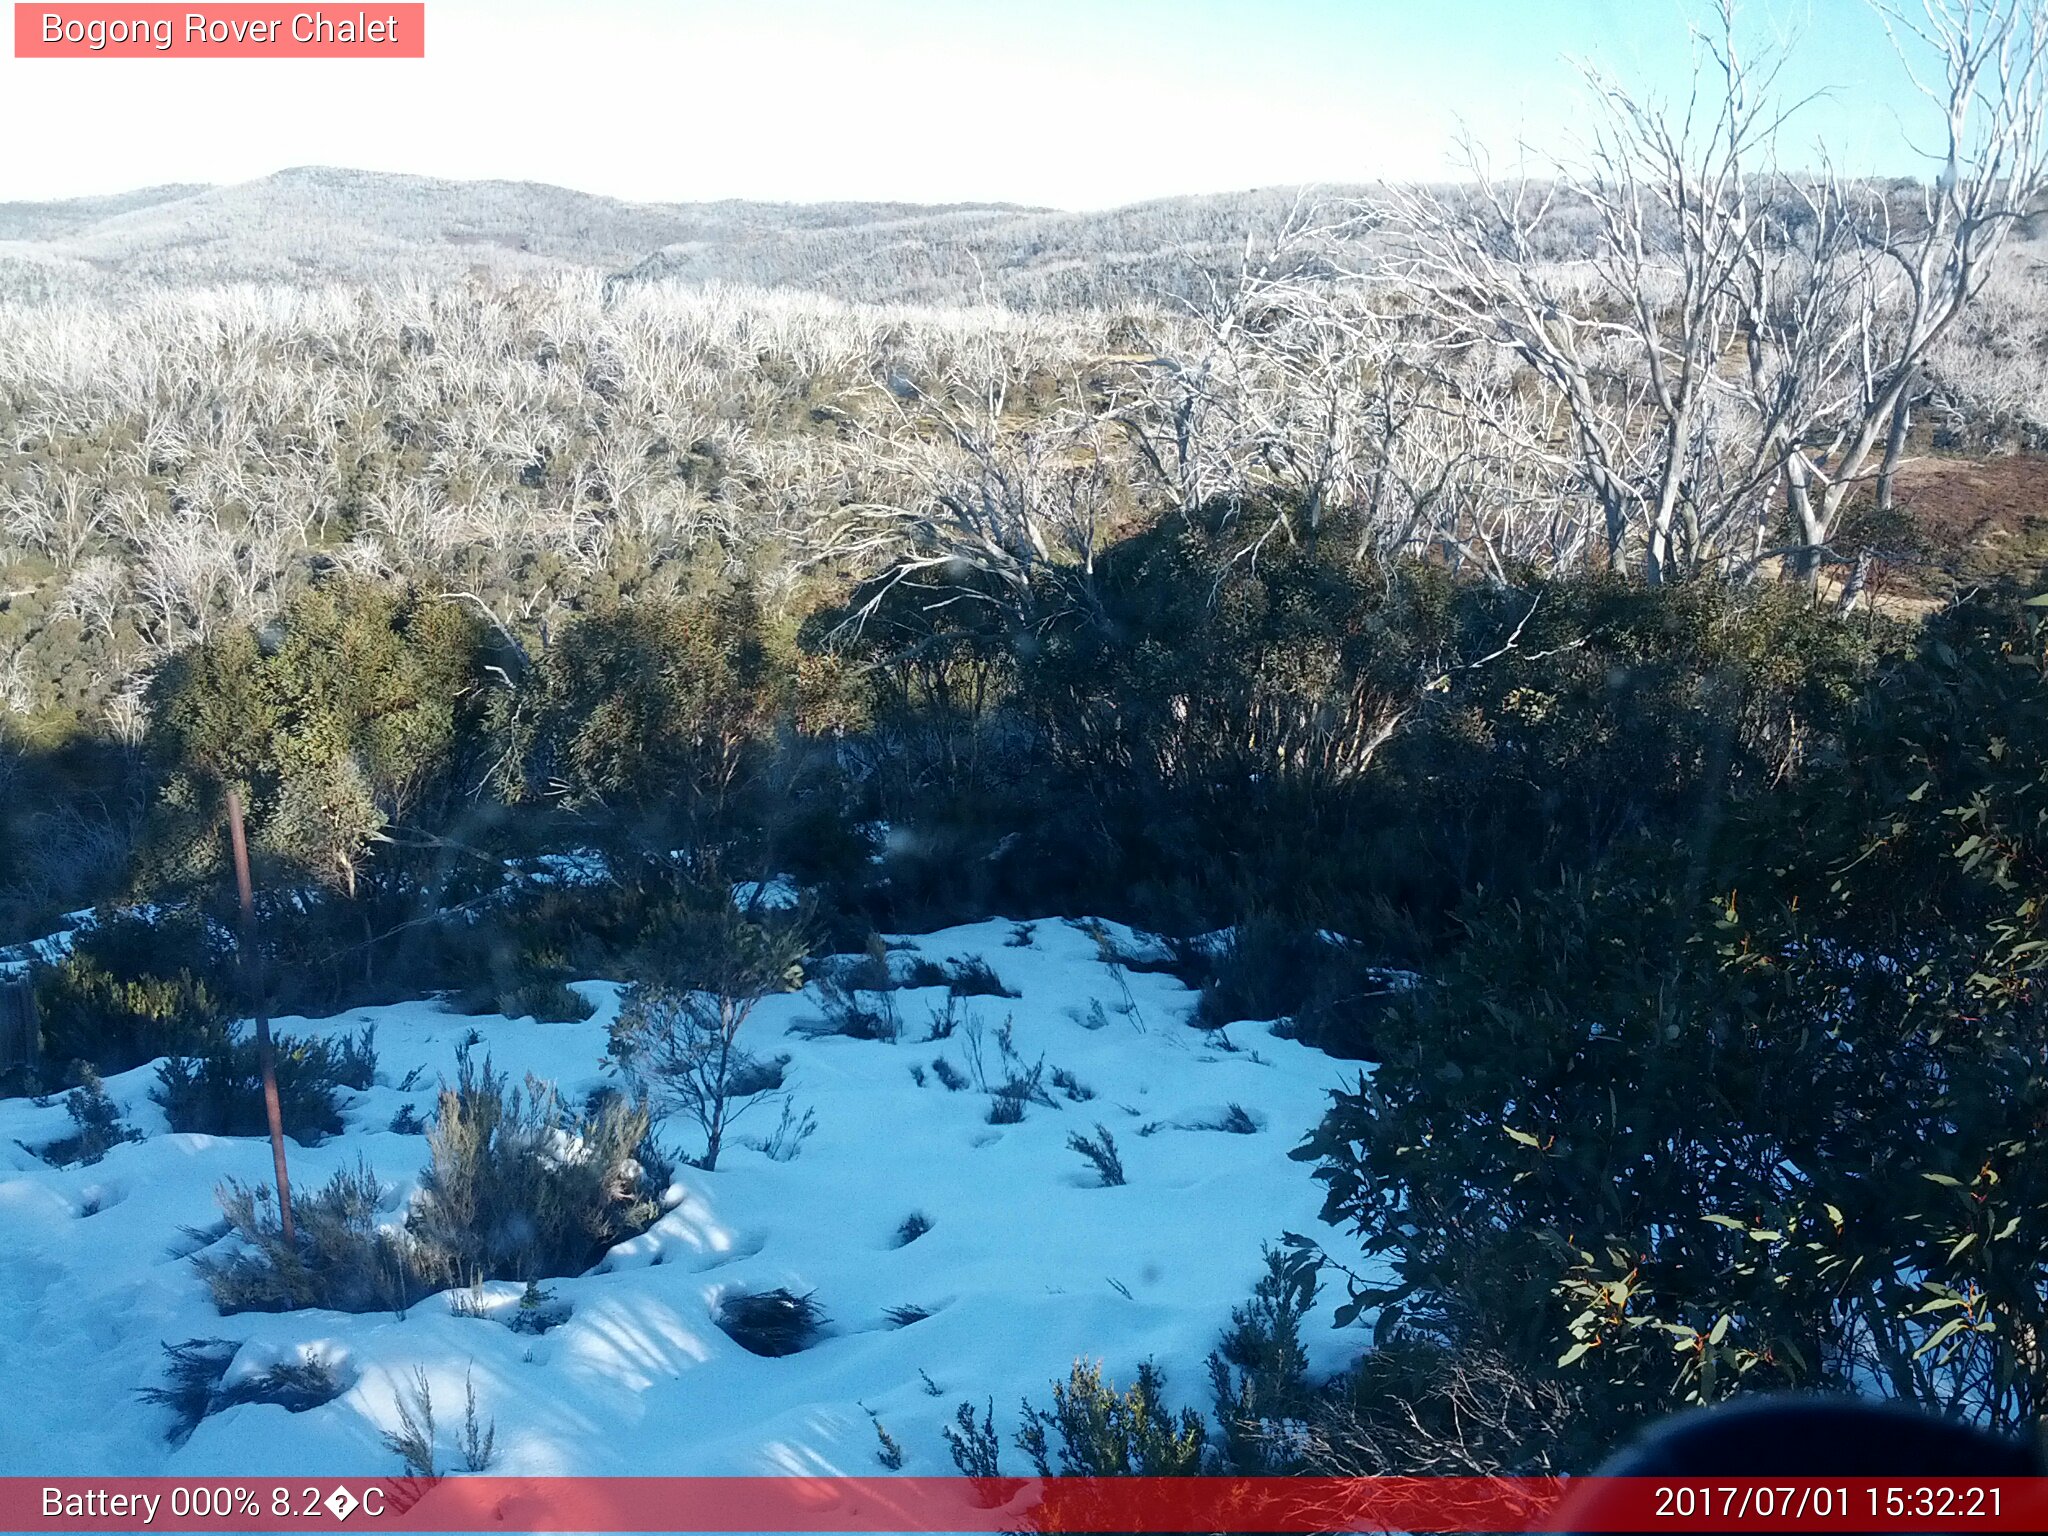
<point>772,1323</point>
<point>197,1368</point>
<point>135,987</point>
<point>220,1092</point>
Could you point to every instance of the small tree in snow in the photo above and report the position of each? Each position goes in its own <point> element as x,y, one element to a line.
<point>680,1035</point>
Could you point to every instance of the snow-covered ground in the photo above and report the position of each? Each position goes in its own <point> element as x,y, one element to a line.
<point>1028,1264</point>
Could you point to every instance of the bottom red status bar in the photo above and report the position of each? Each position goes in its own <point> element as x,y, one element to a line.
<point>1078,1504</point>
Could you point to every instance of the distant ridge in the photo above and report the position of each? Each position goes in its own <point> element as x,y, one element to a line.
<point>320,223</point>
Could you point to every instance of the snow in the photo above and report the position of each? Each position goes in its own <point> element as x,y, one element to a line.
<point>18,959</point>
<point>579,866</point>
<point>1029,1263</point>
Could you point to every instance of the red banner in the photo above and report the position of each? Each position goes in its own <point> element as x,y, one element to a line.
<point>380,31</point>
<point>1134,1504</point>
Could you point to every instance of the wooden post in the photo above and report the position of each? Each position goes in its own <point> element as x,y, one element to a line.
<point>20,1035</point>
<point>252,976</point>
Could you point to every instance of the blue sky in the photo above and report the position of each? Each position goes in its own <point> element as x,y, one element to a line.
<point>1071,103</point>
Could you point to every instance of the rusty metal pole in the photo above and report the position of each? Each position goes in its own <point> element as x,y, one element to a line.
<point>252,975</point>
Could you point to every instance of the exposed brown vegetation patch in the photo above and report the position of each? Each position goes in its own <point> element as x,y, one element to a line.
<point>1973,520</point>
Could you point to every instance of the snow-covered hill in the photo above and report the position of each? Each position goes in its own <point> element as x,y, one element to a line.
<point>1028,1263</point>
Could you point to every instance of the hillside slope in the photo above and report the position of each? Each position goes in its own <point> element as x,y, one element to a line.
<point>320,223</point>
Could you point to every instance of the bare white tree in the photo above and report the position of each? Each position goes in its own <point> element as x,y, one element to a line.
<point>1982,65</point>
<point>1727,339</point>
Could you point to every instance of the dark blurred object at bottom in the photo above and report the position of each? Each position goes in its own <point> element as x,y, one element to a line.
<point>1806,1437</point>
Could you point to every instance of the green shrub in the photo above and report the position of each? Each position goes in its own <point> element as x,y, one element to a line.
<point>361,709</point>
<point>1349,746</point>
<point>220,1092</point>
<point>977,1452</point>
<point>343,1259</point>
<point>1259,1371</point>
<point>1098,1431</point>
<point>547,1002</point>
<point>1639,1134</point>
<point>516,1190</point>
<point>136,986</point>
<point>98,1120</point>
<point>503,1199</point>
<point>680,1035</point>
<point>638,702</point>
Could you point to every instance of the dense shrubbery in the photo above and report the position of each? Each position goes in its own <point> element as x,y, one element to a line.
<point>1094,1430</point>
<point>135,986</point>
<point>98,1121</point>
<point>357,713</point>
<point>1193,737</point>
<point>1258,1372</point>
<point>678,1033</point>
<point>219,1092</point>
<point>1758,1109</point>
<point>651,704</point>
<point>520,1190</point>
<point>1326,740</point>
<point>517,1190</point>
<point>1656,852</point>
<point>343,1258</point>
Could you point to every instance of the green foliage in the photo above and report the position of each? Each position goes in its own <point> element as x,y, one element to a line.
<point>1259,1371</point>
<point>193,1371</point>
<point>220,1091</point>
<point>98,1122</point>
<point>1209,673</point>
<point>1758,1112</point>
<point>354,714</point>
<point>888,1450</point>
<point>344,1260</point>
<point>1622,713</point>
<point>853,1013</point>
<point>639,703</point>
<point>516,1190</point>
<point>519,1191</point>
<point>1334,743</point>
<point>698,940</point>
<point>70,813</point>
<point>548,1002</point>
<point>136,986</point>
<point>1099,1431</point>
